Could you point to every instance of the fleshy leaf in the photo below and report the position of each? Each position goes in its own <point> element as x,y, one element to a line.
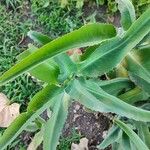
<point>39,38</point>
<point>114,133</point>
<point>55,124</point>
<point>88,93</point>
<point>115,86</point>
<point>47,71</point>
<point>138,65</point>
<point>127,13</point>
<point>88,35</point>
<point>133,136</point>
<point>66,65</point>
<point>111,52</point>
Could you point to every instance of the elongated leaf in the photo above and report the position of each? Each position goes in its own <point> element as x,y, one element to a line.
<point>47,71</point>
<point>39,38</point>
<point>133,136</point>
<point>113,135</point>
<point>134,95</point>
<point>143,132</point>
<point>79,93</point>
<point>115,146</point>
<point>114,86</point>
<point>55,124</point>
<point>111,52</point>
<point>116,105</point>
<point>88,52</point>
<point>138,64</point>
<point>86,36</point>
<point>38,104</point>
<point>127,13</point>
<point>125,142</point>
<point>66,65</point>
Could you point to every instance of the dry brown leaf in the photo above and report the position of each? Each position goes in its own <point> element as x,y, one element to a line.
<point>7,112</point>
<point>83,145</point>
<point>3,101</point>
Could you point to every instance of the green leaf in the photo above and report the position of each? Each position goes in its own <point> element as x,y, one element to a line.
<point>116,105</point>
<point>133,136</point>
<point>39,38</point>
<point>115,146</point>
<point>125,142</point>
<point>143,132</point>
<point>88,52</point>
<point>115,86</point>
<point>79,93</point>
<point>47,71</point>
<point>111,52</point>
<point>55,124</point>
<point>41,101</point>
<point>127,13</point>
<point>113,135</point>
<point>88,35</point>
<point>66,65</point>
<point>138,65</point>
<point>134,95</point>
<point>42,98</point>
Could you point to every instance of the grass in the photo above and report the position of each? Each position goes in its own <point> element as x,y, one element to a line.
<point>65,142</point>
<point>12,31</point>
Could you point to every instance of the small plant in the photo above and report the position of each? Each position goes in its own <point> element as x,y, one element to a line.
<point>122,55</point>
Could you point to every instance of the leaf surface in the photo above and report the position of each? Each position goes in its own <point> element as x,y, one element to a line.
<point>47,71</point>
<point>111,52</point>
<point>88,35</point>
<point>138,65</point>
<point>127,11</point>
<point>133,136</point>
<point>113,135</point>
<point>55,124</point>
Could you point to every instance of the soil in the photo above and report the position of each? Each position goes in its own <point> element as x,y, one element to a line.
<point>91,125</point>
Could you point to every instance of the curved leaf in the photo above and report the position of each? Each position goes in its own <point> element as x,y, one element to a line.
<point>113,135</point>
<point>138,64</point>
<point>127,13</point>
<point>115,86</point>
<point>38,104</point>
<point>66,65</point>
<point>55,124</point>
<point>111,52</point>
<point>79,93</point>
<point>125,141</point>
<point>133,136</point>
<point>38,37</point>
<point>143,132</point>
<point>116,105</point>
<point>47,71</point>
<point>88,35</point>
<point>134,95</point>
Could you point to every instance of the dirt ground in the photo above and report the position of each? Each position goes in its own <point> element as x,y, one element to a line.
<point>91,125</point>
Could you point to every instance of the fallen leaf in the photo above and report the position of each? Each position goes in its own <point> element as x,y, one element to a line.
<point>83,145</point>
<point>7,112</point>
<point>3,101</point>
